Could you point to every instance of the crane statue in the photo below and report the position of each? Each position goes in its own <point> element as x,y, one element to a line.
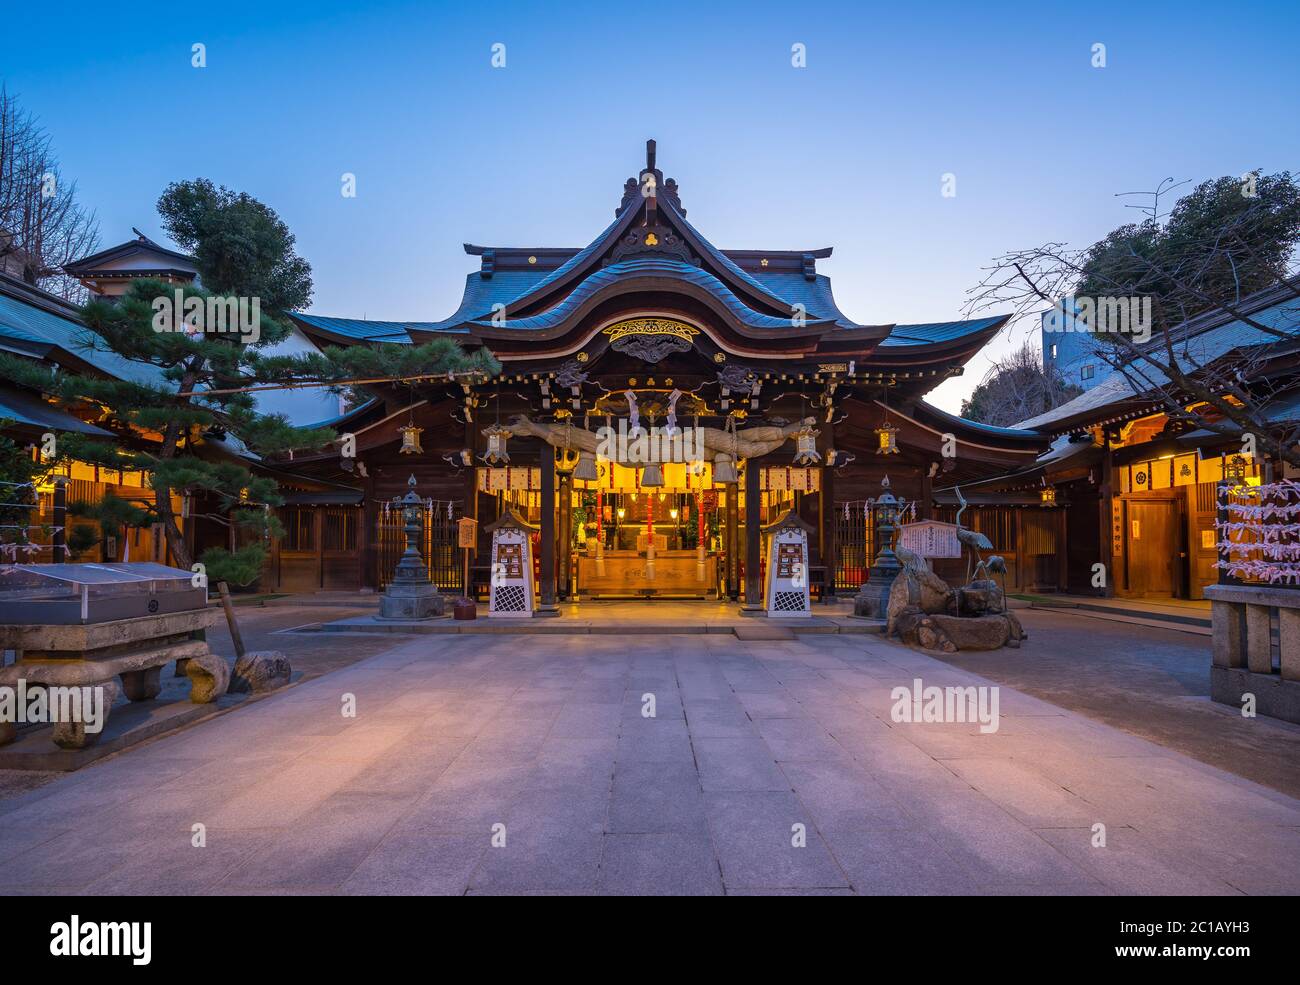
<point>973,539</point>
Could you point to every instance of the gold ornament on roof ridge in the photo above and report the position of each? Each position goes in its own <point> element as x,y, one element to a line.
<point>650,326</point>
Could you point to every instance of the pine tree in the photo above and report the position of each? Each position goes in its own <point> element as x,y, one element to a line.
<point>185,429</point>
<point>187,420</point>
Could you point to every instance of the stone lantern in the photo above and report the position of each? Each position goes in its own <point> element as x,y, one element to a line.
<point>410,595</point>
<point>872,599</point>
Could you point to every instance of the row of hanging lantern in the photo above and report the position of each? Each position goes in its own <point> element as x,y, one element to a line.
<point>726,464</point>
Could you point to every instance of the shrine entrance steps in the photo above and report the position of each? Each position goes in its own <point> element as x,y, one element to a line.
<point>654,618</point>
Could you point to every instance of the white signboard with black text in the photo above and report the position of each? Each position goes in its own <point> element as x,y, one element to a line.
<point>930,538</point>
<point>786,594</point>
<point>510,595</point>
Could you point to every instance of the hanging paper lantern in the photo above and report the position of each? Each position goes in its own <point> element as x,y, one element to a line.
<point>806,446</point>
<point>1236,469</point>
<point>410,440</point>
<point>498,437</point>
<point>586,468</point>
<point>888,435</point>
<point>652,475</point>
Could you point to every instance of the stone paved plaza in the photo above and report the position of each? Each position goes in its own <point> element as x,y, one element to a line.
<point>545,735</point>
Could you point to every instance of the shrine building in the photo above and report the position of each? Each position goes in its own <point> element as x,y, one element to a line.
<point>730,386</point>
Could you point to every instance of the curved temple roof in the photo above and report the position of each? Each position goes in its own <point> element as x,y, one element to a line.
<point>651,247</point>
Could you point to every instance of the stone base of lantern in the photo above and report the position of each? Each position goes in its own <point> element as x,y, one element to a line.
<point>872,600</point>
<point>408,602</point>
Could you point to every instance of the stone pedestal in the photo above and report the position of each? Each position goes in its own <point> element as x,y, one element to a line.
<point>411,602</point>
<point>872,600</point>
<point>96,655</point>
<point>1242,662</point>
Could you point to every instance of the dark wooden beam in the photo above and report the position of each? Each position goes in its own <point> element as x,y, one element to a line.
<point>753,535</point>
<point>827,547</point>
<point>546,560</point>
<point>565,533</point>
<point>369,534</point>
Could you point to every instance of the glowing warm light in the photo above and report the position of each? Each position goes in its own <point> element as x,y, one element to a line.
<point>888,435</point>
<point>410,440</point>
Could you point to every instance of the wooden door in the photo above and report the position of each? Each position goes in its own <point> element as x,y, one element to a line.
<point>340,563</point>
<point>1152,547</point>
<point>298,556</point>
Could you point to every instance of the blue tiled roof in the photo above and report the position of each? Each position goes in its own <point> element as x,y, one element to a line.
<point>989,429</point>
<point>815,295</point>
<point>782,290</point>
<point>642,267</point>
<point>581,257</point>
<point>482,293</point>
<point>32,324</point>
<point>24,408</point>
<point>944,331</point>
<point>360,329</point>
<point>724,261</point>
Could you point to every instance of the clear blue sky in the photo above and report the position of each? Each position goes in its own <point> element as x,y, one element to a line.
<point>847,152</point>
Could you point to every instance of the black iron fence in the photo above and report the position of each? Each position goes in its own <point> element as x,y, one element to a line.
<point>438,545</point>
<point>854,544</point>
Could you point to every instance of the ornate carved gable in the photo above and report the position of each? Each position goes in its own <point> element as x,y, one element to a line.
<point>654,241</point>
<point>651,339</point>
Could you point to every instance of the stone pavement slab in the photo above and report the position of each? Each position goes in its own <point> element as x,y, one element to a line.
<point>527,765</point>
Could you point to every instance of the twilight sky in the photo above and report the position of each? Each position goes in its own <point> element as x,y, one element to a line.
<point>848,152</point>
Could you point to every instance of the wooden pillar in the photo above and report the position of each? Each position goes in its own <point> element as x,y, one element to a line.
<point>753,535</point>
<point>1062,552</point>
<point>1026,577</point>
<point>925,508</point>
<point>566,532</point>
<point>732,541</point>
<point>826,528</point>
<point>1106,523</point>
<point>546,560</point>
<point>369,543</point>
<point>471,503</point>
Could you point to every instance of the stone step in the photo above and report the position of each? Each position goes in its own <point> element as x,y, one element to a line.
<point>753,629</point>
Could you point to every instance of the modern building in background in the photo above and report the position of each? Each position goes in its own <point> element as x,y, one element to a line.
<point>1070,350</point>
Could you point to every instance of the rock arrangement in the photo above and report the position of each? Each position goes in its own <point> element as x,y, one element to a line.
<point>924,611</point>
<point>260,671</point>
